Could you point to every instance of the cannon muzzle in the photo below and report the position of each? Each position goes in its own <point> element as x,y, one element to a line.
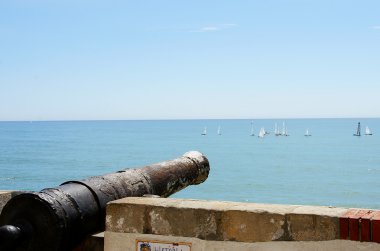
<point>58,219</point>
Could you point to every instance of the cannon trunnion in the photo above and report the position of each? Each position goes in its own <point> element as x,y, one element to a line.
<point>58,219</point>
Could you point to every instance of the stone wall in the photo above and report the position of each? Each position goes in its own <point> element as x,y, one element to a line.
<point>232,226</point>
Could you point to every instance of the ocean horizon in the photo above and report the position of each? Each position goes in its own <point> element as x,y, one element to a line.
<point>179,119</point>
<point>331,167</point>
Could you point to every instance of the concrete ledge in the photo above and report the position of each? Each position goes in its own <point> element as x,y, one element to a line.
<point>223,221</point>
<point>121,242</point>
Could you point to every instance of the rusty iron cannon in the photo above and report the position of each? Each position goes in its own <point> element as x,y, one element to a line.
<point>58,219</point>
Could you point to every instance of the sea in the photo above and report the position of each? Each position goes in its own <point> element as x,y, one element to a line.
<point>330,168</point>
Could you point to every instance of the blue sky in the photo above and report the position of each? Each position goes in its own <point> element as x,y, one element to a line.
<point>82,59</point>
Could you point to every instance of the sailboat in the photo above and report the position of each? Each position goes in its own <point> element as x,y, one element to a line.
<point>284,130</point>
<point>204,132</point>
<point>252,133</point>
<point>358,130</point>
<point>276,130</point>
<point>262,132</point>
<point>367,131</point>
<point>219,131</point>
<point>307,133</point>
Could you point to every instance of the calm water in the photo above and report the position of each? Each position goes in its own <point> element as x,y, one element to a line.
<point>331,167</point>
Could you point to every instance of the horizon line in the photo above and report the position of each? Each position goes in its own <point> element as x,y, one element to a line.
<point>178,119</point>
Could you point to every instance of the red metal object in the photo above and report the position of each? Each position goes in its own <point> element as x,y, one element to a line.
<point>360,225</point>
<point>353,225</point>
<point>375,222</point>
<point>343,227</point>
<point>365,226</point>
<point>349,219</point>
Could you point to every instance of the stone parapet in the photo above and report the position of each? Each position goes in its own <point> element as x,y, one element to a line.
<point>127,242</point>
<point>227,221</point>
<point>223,221</point>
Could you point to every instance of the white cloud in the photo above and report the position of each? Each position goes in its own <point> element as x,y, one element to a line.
<point>209,28</point>
<point>376,27</point>
<point>212,28</point>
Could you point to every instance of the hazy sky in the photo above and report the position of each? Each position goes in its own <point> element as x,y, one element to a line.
<point>82,59</point>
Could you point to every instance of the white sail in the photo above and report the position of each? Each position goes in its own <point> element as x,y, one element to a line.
<point>204,131</point>
<point>284,130</point>
<point>262,132</point>
<point>219,131</point>
<point>367,131</point>
<point>307,133</point>
<point>276,130</point>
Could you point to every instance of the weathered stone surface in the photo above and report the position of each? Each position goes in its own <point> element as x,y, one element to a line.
<point>126,218</point>
<point>312,227</point>
<point>227,221</point>
<point>251,227</point>
<point>4,197</point>
<point>127,242</point>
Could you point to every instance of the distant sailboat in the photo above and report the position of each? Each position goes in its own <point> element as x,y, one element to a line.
<point>367,131</point>
<point>262,132</point>
<point>204,132</point>
<point>358,130</point>
<point>276,131</point>
<point>307,133</point>
<point>219,131</point>
<point>252,132</point>
<point>284,130</point>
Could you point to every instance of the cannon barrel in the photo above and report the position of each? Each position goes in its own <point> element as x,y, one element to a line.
<point>58,219</point>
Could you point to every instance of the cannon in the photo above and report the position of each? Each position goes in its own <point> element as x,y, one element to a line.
<point>58,219</point>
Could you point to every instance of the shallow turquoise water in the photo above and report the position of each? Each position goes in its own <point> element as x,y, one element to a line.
<point>329,168</point>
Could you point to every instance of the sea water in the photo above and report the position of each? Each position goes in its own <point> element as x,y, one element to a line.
<point>331,167</point>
